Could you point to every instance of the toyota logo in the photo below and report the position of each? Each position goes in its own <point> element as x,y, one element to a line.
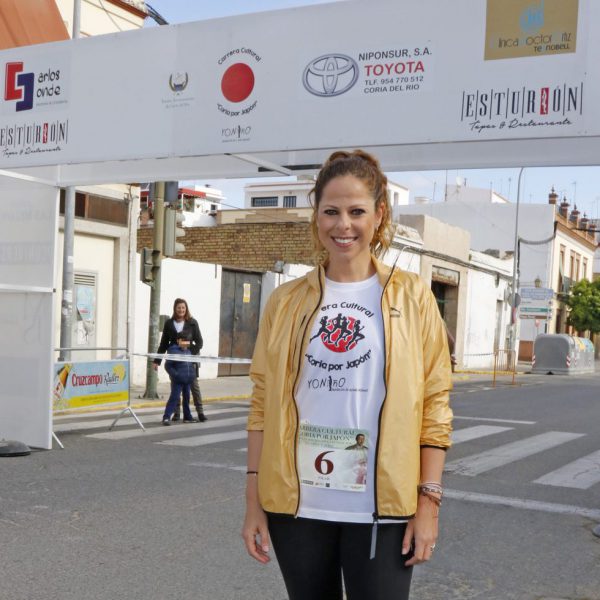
<point>330,75</point>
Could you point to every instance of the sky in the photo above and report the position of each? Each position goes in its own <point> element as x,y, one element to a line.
<point>580,185</point>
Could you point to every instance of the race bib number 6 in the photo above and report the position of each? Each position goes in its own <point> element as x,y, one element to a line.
<point>333,458</point>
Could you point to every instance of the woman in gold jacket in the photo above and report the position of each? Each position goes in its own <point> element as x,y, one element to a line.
<point>351,227</point>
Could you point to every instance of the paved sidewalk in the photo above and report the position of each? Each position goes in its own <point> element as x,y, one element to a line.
<point>221,388</point>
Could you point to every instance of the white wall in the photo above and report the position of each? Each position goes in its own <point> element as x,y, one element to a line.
<point>200,285</point>
<point>98,17</point>
<point>93,254</point>
<point>300,189</point>
<point>405,258</point>
<point>481,319</point>
<point>492,226</point>
<point>272,280</point>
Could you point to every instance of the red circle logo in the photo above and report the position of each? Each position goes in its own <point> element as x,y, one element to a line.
<point>339,334</point>
<point>237,82</point>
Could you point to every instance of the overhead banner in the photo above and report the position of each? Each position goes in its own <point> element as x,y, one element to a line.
<point>79,384</point>
<point>516,28</point>
<point>379,73</point>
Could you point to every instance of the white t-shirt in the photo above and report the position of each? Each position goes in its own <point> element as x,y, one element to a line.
<point>178,325</point>
<point>339,396</point>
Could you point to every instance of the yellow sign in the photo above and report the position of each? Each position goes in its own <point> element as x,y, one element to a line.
<point>91,383</point>
<point>517,28</point>
<point>247,288</point>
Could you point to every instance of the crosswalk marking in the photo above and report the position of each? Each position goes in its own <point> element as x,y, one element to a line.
<point>124,434</point>
<point>508,453</point>
<point>220,466</point>
<point>205,440</point>
<point>472,433</point>
<point>128,420</point>
<point>581,474</point>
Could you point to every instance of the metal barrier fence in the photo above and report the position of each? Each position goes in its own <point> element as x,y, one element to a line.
<point>500,362</point>
<point>505,362</point>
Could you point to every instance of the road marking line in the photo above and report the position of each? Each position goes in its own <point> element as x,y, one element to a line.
<point>580,474</point>
<point>495,420</point>
<point>124,434</point>
<point>205,440</point>
<point>489,499</point>
<point>524,504</point>
<point>478,431</point>
<point>508,453</point>
<point>218,466</point>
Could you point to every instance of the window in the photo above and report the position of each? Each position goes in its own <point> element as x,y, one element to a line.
<point>289,202</point>
<point>263,201</point>
<point>572,265</point>
<point>584,270</point>
<point>561,268</point>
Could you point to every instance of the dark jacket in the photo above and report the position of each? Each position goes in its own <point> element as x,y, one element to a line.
<point>169,337</point>
<point>179,371</point>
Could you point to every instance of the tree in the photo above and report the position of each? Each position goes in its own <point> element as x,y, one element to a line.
<point>584,302</point>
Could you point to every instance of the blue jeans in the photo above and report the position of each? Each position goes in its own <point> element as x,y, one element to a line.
<point>176,390</point>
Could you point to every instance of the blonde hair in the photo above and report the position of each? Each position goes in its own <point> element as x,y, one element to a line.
<point>366,168</point>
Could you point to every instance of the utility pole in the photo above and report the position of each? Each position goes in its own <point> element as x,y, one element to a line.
<point>514,296</point>
<point>153,324</point>
<point>66,305</point>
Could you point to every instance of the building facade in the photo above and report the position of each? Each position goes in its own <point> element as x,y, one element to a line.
<point>546,232</point>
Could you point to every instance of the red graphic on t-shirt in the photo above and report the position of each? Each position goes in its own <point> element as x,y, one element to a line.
<point>339,334</point>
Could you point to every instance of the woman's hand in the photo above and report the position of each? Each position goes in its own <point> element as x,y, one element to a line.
<point>422,530</point>
<point>255,532</point>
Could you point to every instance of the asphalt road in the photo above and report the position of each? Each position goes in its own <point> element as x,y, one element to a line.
<point>156,515</point>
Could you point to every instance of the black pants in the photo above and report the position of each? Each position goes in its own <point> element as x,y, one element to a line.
<point>313,555</point>
<point>196,396</point>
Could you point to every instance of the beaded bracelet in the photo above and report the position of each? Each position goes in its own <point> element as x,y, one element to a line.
<point>437,501</point>
<point>430,486</point>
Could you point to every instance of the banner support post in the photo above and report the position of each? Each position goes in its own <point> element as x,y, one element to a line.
<point>128,408</point>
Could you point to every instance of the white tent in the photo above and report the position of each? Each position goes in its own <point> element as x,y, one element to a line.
<point>423,84</point>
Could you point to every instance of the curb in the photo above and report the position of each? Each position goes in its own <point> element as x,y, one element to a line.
<point>143,404</point>
<point>207,400</point>
<point>477,372</point>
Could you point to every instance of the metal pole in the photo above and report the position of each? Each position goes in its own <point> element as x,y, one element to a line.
<point>66,312</point>
<point>153,329</point>
<point>513,329</point>
<point>76,18</point>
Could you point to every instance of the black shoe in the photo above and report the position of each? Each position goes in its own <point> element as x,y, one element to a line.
<point>192,420</point>
<point>175,418</point>
<point>166,422</point>
<point>202,417</point>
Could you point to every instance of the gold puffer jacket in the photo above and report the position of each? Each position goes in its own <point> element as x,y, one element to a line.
<point>415,410</point>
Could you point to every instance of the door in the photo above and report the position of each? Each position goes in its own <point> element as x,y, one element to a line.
<point>240,312</point>
<point>84,316</point>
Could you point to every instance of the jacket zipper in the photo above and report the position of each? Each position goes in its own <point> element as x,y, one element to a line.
<point>304,322</point>
<point>375,511</point>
